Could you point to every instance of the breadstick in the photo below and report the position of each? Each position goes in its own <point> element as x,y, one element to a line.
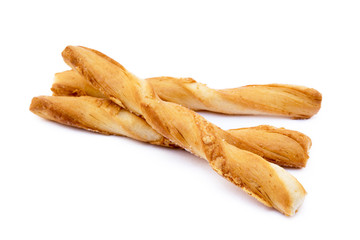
<point>267,182</point>
<point>293,101</point>
<point>272,99</point>
<point>96,115</point>
<point>281,146</point>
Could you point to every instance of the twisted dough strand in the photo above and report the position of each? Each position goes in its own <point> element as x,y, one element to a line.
<point>267,182</point>
<point>97,115</point>
<point>275,99</point>
<point>272,99</point>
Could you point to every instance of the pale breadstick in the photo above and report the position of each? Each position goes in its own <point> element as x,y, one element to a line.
<point>267,182</point>
<point>273,99</point>
<point>281,146</point>
<point>284,147</point>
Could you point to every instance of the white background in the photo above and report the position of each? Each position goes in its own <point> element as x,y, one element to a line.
<point>58,182</point>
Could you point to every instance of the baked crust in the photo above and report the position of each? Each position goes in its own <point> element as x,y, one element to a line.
<point>267,182</point>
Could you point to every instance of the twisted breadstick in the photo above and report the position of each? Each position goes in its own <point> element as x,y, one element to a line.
<point>275,99</point>
<point>267,182</point>
<point>281,146</point>
<point>98,115</point>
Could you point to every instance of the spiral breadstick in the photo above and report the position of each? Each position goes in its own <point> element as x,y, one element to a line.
<point>267,182</point>
<point>275,99</point>
<point>281,146</point>
<point>97,115</point>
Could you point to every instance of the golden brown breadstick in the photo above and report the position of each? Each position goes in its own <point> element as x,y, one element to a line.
<point>97,115</point>
<point>284,147</point>
<point>287,148</point>
<point>267,182</point>
<point>275,99</point>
